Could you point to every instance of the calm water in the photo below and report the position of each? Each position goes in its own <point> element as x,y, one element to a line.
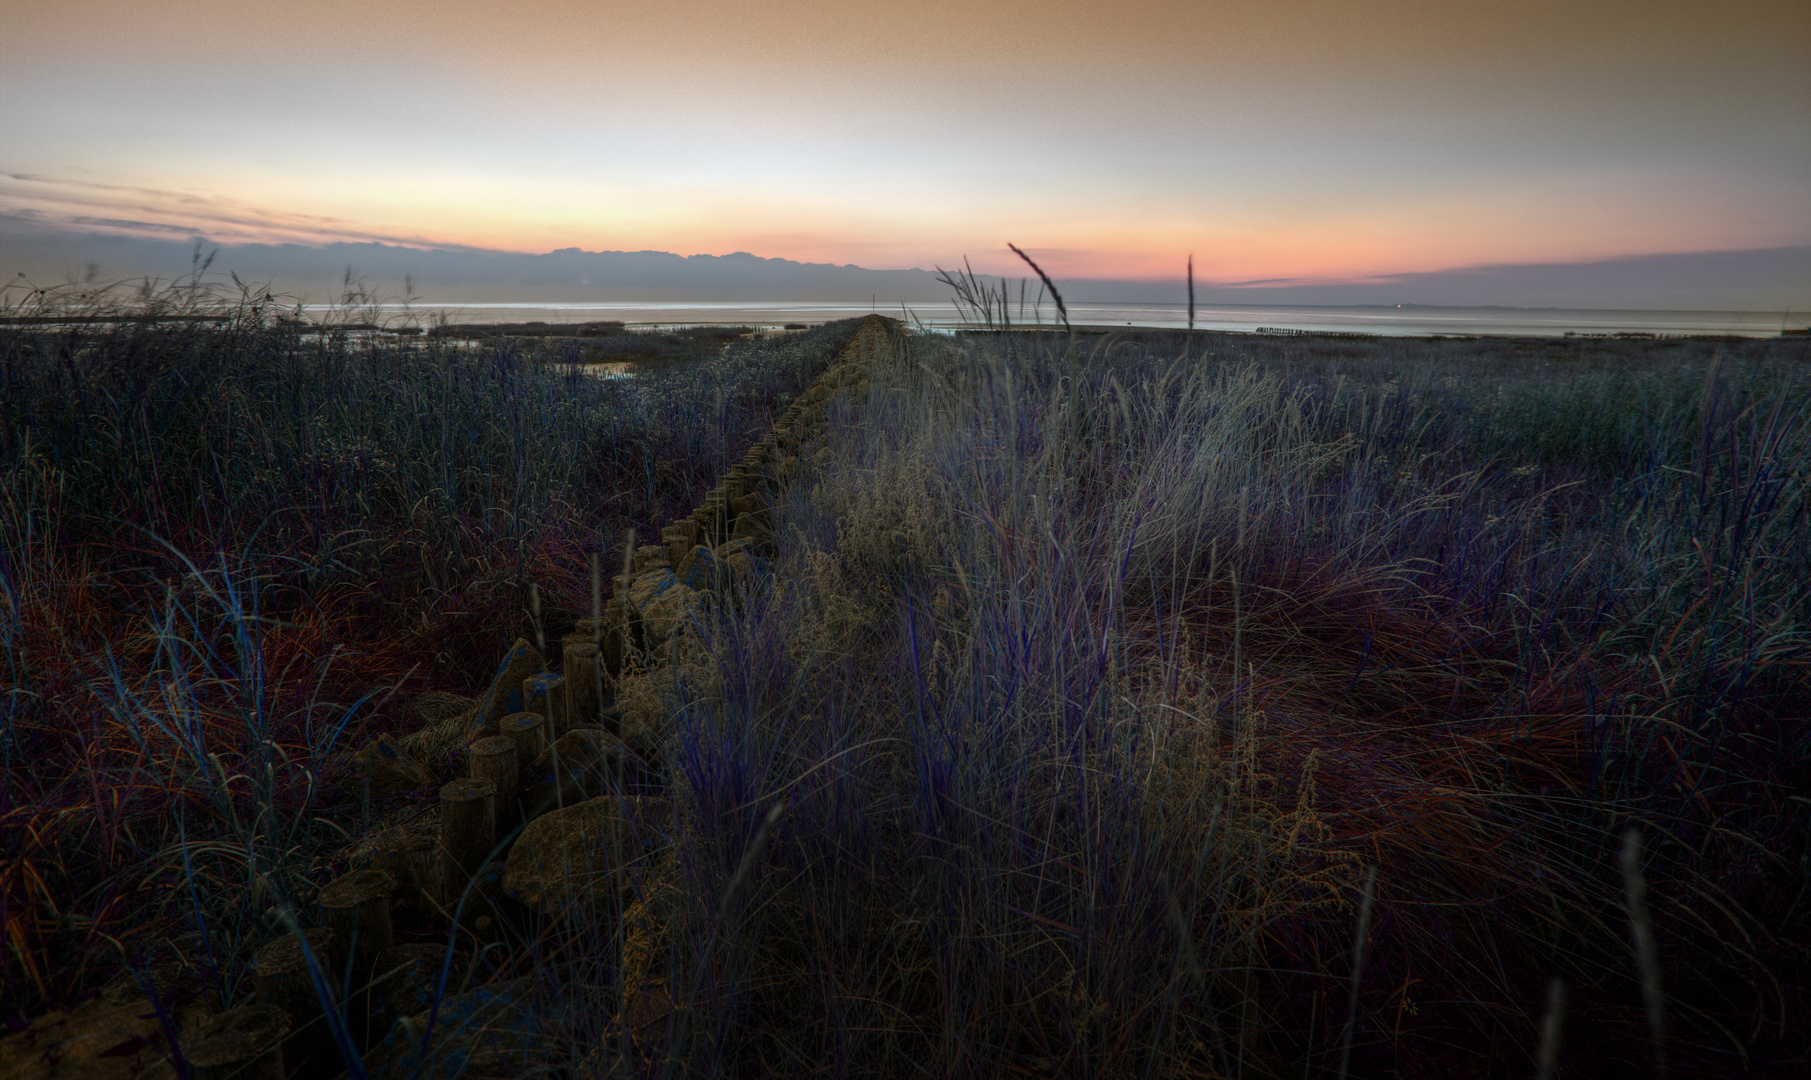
<point>1413,321</point>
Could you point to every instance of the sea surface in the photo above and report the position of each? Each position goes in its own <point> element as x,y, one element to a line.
<point>1411,321</point>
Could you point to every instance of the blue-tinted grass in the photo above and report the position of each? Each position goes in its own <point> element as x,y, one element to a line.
<point>1093,682</point>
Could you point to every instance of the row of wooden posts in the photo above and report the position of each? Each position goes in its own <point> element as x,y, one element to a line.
<point>508,782</point>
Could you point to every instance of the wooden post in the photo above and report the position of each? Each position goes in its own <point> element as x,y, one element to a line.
<point>678,540</point>
<point>280,974</point>
<point>357,906</point>
<point>410,853</point>
<point>545,694</point>
<point>468,828</point>
<point>713,510</point>
<point>556,702</point>
<point>495,759</point>
<point>581,685</point>
<point>616,636</point>
<point>529,730</point>
<point>244,1043</point>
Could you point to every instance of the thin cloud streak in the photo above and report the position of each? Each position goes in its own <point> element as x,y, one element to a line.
<point>55,201</point>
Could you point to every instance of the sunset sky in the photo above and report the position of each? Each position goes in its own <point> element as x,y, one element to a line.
<point>1308,141</point>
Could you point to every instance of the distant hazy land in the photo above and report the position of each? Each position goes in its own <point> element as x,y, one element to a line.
<point>1762,287</point>
<point>1407,320</point>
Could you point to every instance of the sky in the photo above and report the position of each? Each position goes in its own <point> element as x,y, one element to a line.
<point>1284,142</point>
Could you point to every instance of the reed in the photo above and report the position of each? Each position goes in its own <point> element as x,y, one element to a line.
<point>1056,636</point>
<point>1100,682</point>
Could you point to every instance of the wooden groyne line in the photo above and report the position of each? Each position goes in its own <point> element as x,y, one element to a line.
<point>539,823</point>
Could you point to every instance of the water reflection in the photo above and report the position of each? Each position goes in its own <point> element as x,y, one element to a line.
<point>1407,320</point>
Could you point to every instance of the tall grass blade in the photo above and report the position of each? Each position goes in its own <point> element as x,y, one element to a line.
<point>1647,954</point>
<point>1359,938</point>
<point>1547,1056</point>
<point>1062,309</point>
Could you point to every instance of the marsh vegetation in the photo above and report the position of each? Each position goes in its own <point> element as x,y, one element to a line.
<point>1139,705</point>
<point>1178,644</point>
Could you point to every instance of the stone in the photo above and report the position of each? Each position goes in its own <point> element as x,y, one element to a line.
<point>567,861</point>
<point>645,588</point>
<point>505,693</point>
<point>698,570</point>
<point>116,1037</point>
<point>577,766</point>
<point>245,1043</point>
<point>389,770</point>
<point>740,557</point>
<point>665,605</point>
<point>493,1031</point>
<point>406,848</point>
<point>751,527</point>
<point>673,612</point>
<point>650,557</point>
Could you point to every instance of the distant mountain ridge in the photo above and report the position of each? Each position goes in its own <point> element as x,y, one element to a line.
<point>1768,279</point>
<point>457,274</point>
